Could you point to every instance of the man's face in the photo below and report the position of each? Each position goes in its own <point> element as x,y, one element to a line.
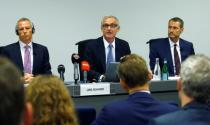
<point>109,29</point>
<point>174,30</point>
<point>25,31</point>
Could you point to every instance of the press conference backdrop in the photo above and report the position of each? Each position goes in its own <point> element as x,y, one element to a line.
<point>60,24</point>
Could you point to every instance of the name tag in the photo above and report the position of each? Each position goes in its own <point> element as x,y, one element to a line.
<point>94,89</point>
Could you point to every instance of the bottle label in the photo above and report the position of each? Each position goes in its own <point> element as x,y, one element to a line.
<point>164,76</point>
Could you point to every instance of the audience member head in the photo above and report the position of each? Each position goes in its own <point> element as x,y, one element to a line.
<point>24,29</point>
<point>194,80</point>
<point>175,28</point>
<point>133,72</point>
<point>51,102</point>
<point>109,27</point>
<point>11,94</point>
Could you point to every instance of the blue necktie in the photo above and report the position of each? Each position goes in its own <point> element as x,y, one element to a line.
<point>110,56</point>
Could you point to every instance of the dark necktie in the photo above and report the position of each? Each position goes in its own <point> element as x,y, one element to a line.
<point>110,56</point>
<point>176,60</point>
<point>27,60</point>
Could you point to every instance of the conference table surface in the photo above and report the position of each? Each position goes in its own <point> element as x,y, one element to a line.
<point>161,90</point>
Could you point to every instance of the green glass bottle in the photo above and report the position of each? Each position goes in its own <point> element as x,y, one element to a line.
<point>164,71</point>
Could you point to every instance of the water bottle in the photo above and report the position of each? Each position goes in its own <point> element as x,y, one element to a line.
<point>157,73</point>
<point>164,72</point>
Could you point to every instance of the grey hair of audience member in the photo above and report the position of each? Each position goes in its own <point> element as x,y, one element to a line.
<point>195,76</point>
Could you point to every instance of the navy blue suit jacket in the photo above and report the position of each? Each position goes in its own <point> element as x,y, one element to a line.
<point>137,109</point>
<point>95,55</point>
<point>41,64</point>
<point>191,114</point>
<point>160,48</point>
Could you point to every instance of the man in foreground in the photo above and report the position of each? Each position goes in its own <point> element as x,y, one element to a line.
<point>140,106</point>
<point>194,93</point>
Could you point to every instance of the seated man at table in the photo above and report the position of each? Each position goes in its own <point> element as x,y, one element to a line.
<point>194,93</point>
<point>105,49</point>
<point>31,58</point>
<point>173,49</point>
<point>140,106</point>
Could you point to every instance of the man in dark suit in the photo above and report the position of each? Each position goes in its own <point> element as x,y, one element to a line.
<point>194,92</point>
<point>31,58</point>
<point>140,106</point>
<point>100,52</point>
<point>1,49</point>
<point>173,49</point>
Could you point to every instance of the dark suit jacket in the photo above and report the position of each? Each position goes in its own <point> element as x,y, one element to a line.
<point>191,114</point>
<point>1,50</point>
<point>137,109</point>
<point>95,55</point>
<point>160,48</point>
<point>41,64</point>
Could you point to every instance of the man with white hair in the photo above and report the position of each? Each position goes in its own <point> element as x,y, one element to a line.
<point>194,93</point>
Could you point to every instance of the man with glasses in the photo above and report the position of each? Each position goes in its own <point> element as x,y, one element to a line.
<point>105,49</point>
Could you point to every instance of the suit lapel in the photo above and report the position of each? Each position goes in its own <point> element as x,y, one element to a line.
<point>169,55</point>
<point>117,50</point>
<point>34,57</point>
<point>181,44</point>
<point>18,56</point>
<point>101,52</point>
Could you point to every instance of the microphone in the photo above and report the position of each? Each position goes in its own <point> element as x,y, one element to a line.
<point>85,67</point>
<point>61,70</point>
<point>75,58</point>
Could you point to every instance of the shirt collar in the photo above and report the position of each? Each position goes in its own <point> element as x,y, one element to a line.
<point>106,43</point>
<point>172,43</point>
<point>22,44</point>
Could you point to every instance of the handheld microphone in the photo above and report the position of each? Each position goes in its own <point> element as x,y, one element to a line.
<point>75,58</point>
<point>61,70</point>
<point>85,67</point>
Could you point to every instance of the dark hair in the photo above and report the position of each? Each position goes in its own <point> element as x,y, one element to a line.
<point>11,94</point>
<point>177,19</point>
<point>133,70</point>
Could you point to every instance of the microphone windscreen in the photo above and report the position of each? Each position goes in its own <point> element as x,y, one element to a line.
<point>75,58</point>
<point>85,66</point>
<point>61,68</point>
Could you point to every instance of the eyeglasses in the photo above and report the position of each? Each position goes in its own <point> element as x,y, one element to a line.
<point>112,26</point>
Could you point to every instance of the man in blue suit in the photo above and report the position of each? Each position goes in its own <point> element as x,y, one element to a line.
<point>173,49</point>
<point>97,51</point>
<point>31,58</point>
<point>194,92</point>
<point>140,106</point>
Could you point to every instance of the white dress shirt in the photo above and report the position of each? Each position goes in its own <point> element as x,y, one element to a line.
<point>106,45</point>
<point>172,51</point>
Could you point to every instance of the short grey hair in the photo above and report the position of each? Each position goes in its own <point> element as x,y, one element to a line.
<point>195,76</point>
<point>106,17</point>
<point>24,19</point>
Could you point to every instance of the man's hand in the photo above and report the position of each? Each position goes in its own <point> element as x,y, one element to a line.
<point>28,78</point>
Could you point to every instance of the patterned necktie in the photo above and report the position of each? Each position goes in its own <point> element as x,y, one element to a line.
<point>27,60</point>
<point>176,60</point>
<point>110,56</point>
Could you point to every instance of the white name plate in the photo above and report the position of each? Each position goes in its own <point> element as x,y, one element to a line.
<point>94,89</point>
